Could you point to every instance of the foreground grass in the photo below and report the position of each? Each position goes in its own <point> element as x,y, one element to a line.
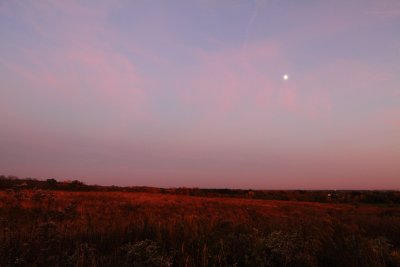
<point>56,228</point>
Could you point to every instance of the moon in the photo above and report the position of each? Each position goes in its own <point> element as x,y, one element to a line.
<point>286,77</point>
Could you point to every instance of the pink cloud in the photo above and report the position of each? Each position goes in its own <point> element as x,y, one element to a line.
<point>85,81</point>
<point>225,80</point>
<point>386,9</point>
<point>341,79</point>
<point>290,98</point>
<point>389,116</point>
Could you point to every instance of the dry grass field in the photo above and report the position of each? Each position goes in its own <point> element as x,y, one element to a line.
<point>59,228</point>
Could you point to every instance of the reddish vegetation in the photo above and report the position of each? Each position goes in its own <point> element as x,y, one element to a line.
<point>58,228</point>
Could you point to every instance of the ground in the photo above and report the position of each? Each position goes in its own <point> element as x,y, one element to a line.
<point>60,228</point>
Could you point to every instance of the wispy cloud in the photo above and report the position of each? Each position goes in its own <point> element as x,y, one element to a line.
<point>147,89</point>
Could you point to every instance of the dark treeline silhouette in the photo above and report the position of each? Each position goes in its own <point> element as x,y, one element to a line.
<point>323,196</point>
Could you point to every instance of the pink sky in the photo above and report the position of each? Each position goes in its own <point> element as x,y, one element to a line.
<point>191,93</point>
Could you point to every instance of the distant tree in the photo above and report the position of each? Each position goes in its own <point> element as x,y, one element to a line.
<point>76,182</point>
<point>51,182</point>
<point>76,185</point>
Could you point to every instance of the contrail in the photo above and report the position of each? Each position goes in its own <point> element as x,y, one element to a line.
<point>253,17</point>
<point>251,21</point>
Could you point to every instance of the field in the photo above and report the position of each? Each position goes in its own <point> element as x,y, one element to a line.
<point>60,228</point>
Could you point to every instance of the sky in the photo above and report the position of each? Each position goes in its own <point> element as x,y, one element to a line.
<point>191,93</point>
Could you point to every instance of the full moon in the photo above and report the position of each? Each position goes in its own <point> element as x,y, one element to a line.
<point>285,77</point>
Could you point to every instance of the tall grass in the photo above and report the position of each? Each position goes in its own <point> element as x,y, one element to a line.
<point>56,228</point>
